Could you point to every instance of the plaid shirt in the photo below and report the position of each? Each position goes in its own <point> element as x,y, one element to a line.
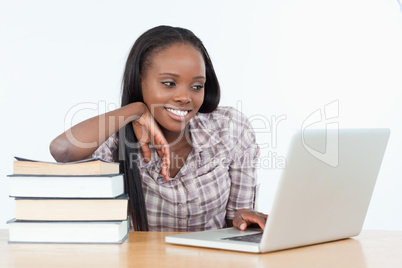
<point>217,179</point>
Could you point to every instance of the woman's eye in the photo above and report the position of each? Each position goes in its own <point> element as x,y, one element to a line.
<point>197,87</point>
<point>169,83</point>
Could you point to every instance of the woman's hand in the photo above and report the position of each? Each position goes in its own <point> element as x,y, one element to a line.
<point>246,217</point>
<point>147,131</point>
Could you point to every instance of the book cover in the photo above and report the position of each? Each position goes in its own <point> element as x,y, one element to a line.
<point>94,166</point>
<point>63,186</point>
<point>59,209</point>
<point>88,232</point>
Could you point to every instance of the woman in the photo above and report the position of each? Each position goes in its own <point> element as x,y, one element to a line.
<point>188,164</point>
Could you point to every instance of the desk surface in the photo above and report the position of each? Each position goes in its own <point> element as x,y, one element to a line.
<point>148,249</point>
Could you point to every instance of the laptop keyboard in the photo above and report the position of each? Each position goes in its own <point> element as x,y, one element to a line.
<point>254,238</point>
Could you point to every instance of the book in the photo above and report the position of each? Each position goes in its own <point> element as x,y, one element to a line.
<point>53,209</point>
<point>112,232</point>
<point>77,202</point>
<point>94,166</point>
<point>91,186</point>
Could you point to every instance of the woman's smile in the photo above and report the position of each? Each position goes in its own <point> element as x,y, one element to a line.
<point>178,114</point>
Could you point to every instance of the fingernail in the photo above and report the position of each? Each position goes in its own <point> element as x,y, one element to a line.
<point>243,226</point>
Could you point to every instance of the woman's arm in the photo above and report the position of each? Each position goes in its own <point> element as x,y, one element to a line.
<point>82,140</point>
<point>242,171</point>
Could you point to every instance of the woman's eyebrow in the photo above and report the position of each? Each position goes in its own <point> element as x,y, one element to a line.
<point>171,74</point>
<point>176,75</point>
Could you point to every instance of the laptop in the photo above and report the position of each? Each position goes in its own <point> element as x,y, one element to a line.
<point>323,194</point>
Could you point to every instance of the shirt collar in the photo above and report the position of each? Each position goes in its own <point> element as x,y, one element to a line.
<point>204,132</point>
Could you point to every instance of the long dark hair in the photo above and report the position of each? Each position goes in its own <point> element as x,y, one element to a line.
<point>147,45</point>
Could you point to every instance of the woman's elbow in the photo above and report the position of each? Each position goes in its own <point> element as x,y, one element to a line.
<point>60,150</point>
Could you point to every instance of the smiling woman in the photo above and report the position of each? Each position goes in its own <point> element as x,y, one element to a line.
<point>173,87</point>
<point>188,164</point>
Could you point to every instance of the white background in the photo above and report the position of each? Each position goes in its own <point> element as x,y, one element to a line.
<point>273,58</point>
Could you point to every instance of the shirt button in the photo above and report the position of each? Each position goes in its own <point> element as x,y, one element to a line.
<point>180,222</point>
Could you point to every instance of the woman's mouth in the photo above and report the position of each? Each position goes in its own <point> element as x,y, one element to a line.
<point>177,114</point>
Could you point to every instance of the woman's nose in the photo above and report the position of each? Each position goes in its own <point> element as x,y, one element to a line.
<point>183,96</point>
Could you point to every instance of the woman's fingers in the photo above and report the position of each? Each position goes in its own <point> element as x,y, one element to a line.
<point>246,217</point>
<point>162,148</point>
<point>265,216</point>
<point>143,139</point>
<point>166,164</point>
<point>146,152</point>
<point>147,131</point>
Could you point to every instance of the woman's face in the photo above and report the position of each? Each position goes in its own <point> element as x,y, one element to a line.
<point>173,86</point>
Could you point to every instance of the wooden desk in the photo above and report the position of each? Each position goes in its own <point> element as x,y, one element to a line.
<point>370,249</point>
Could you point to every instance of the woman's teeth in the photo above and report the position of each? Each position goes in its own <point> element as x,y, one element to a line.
<point>177,112</point>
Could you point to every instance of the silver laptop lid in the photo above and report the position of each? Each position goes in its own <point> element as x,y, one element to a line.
<point>325,191</point>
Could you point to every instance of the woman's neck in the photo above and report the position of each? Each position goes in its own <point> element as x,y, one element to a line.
<point>180,147</point>
<point>177,139</point>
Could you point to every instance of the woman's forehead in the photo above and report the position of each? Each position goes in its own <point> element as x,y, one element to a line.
<point>179,58</point>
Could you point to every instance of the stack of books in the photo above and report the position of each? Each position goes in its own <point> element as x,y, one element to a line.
<point>77,202</point>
